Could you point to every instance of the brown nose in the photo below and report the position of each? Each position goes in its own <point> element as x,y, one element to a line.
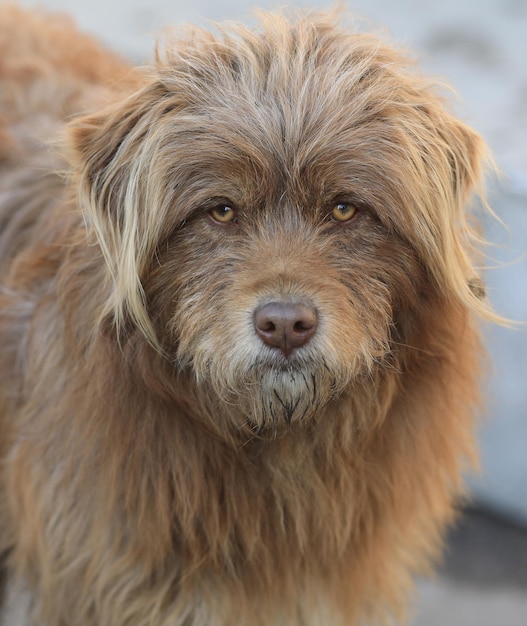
<point>285,325</point>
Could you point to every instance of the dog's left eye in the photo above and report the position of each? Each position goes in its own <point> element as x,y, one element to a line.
<point>223,213</point>
<point>343,212</point>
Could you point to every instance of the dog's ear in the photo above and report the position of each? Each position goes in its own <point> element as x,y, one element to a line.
<point>118,179</point>
<point>468,161</point>
<point>453,160</point>
<point>466,155</point>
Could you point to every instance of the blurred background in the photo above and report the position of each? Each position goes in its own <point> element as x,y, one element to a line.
<point>480,47</point>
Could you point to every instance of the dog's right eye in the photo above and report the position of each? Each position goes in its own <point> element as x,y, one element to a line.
<point>343,212</point>
<point>223,213</point>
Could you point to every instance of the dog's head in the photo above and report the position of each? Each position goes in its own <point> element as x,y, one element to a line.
<point>279,209</point>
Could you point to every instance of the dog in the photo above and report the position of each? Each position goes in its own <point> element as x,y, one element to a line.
<point>239,325</point>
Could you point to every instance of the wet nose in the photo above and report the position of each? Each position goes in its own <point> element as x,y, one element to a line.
<point>285,325</point>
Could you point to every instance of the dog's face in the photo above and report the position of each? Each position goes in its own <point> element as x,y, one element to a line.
<point>279,211</point>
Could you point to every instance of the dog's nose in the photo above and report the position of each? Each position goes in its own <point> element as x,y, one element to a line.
<point>285,325</point>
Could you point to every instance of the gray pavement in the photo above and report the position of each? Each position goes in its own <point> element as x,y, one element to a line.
<point>483,579</point>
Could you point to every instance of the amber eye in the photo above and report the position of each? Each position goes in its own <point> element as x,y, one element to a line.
<point>223,214</point>
<point>343,212</point>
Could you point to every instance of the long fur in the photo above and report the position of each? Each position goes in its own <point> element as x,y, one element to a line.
<point>161,466</point>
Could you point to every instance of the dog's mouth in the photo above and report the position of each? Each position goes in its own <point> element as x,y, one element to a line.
<point>286,394</point>
<point>289,387</point>
<point>282,398</point>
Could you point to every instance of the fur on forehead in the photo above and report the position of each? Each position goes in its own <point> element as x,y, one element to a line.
<point>297,100</point>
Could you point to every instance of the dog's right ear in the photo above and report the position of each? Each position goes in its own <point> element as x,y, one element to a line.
<point>118,174</point>
<point>104,145</point>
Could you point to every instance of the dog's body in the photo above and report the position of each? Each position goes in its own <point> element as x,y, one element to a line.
<point>239,362</point>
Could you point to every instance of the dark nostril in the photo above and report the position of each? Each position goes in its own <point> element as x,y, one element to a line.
<point>301,326</point>
<point>285,324</point>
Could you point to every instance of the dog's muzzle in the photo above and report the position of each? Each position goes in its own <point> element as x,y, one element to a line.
<point>285,324</point>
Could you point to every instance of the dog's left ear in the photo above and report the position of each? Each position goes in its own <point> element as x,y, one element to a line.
<point>455,159</point>
<point>466,154</point>
<point>118,171</point>
<point>470,161</point>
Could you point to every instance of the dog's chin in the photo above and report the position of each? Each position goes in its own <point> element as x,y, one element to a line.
<point>283,397</point>
<point>271,400</point>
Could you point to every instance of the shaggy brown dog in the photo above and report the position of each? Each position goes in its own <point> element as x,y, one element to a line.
<point>238,348</point>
